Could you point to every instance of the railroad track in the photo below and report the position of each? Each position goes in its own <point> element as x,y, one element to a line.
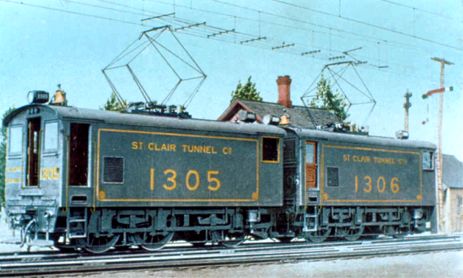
<point>53,262</point>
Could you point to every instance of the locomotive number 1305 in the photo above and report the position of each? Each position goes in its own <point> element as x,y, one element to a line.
<point>192,179</point>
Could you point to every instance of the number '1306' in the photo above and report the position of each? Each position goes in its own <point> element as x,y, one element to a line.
<point>381,183</point>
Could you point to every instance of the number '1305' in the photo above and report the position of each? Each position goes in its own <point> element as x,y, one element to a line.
<point>381,183</point>
<point>192,180</point>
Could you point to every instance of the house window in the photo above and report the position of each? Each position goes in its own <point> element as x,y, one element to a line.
<point>113,170</point>
<point>459,204</point>
<point>333,176</point>
<point>270,150</point>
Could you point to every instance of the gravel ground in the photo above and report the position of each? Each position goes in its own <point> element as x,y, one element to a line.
<point>6,235</point>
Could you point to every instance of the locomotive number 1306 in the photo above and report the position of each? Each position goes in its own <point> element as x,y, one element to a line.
<point>381,184</point>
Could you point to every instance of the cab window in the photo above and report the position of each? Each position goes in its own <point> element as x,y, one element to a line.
<point>15,141</point>
<point>270,150</point>
<point>428,161</point>
<point>310,164</point>
<point>51,136</point>
<point>78,154</point>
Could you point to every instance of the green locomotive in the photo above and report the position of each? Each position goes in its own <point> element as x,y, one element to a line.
<point>96,180</point>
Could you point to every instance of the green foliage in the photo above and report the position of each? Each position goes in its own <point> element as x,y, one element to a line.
<point>329,100</point>
<point>112,104</point>
<point>3,158</point>
<point>247,91</point>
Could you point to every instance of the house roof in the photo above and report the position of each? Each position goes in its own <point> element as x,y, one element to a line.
<point>452,172</point>
<point>299,115</point>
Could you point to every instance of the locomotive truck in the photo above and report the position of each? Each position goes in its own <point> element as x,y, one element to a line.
<point>95,180</point>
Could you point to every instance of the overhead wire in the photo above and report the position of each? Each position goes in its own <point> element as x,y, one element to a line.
<point>22,3</point>
<point>318,25</point>
<point>260,45</point>
<point>372,25</point>
<point>420,10</point>
<point>200,34</point>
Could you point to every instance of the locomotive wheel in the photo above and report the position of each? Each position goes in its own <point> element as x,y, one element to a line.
<point>350,233</point>
<point>101,244</point>
<point>232,240</point>
<point>318,236</point>
<point>153,242</point>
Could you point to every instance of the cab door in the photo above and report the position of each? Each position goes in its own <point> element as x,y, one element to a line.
<point>33,151</point>
<point>310,165</point>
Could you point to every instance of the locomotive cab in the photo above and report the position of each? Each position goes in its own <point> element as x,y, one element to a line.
<point>34,170</point>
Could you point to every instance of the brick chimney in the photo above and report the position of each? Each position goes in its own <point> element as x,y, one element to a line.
<point>284,91</point>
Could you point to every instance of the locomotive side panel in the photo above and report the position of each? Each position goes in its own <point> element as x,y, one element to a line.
<point>352,175</point>
<point>159,168</point>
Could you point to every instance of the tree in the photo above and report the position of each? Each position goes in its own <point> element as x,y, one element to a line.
<point>3,158</point>
<point>325,98</point>
<point>247,91</point>
<point>113,104</point>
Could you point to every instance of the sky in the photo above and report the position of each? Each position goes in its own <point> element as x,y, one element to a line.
<point>388,43</point>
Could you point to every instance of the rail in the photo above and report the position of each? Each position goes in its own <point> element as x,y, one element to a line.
<point>182,255</point>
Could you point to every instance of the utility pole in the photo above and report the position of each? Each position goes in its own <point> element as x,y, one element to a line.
<point>407,106</point>
<point>440,190</point>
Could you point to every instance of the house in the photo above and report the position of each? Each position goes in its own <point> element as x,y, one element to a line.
<point>300,116</point>
<point>452,180</point>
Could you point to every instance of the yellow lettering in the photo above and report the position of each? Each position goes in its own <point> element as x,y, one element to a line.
<point>51,173</point>
<point>152,146</point>
<point>199,149</point>
<point>12,181</point>
<point>369,184</point>
<point>151,179</point>
<point>227,150</point>
<point>214,182</point>
<point>395,186</point>
<point>13,169</point>
<point>346,157</point>
<point>171,179</point>
<point>384,160</point>
<point>137,145</point>
<point>56,173</point>
<point>361,159</point>
<point>195,186</point>
<point>381,184</point>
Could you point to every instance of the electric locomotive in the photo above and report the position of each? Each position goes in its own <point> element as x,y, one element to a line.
<point>96,180</point>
